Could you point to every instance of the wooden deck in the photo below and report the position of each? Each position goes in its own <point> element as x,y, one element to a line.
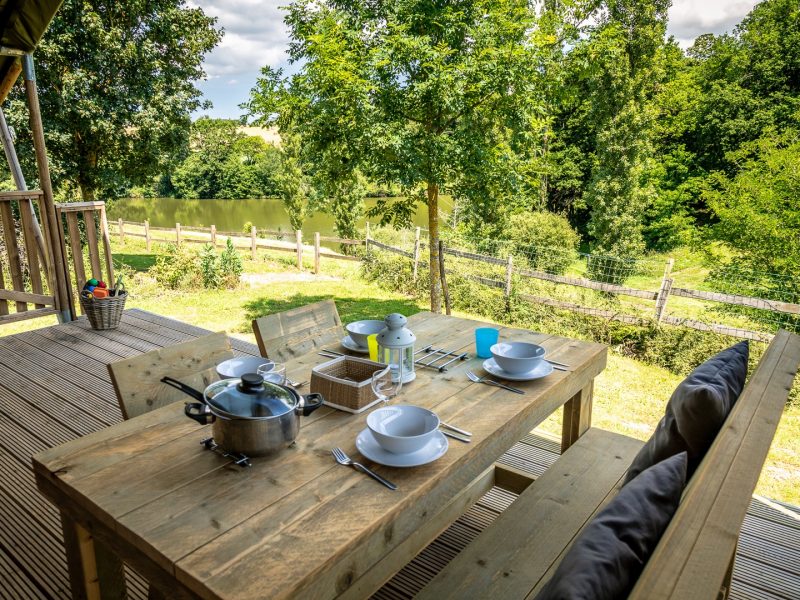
<point>54,387</point>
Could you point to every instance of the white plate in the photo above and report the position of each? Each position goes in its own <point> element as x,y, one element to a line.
<point>369,448</point>
<point>236,367</point>
<point>348,343</point>
<point>543,369</point>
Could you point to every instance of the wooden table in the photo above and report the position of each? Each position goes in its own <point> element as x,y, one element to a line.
<point>296,524</point>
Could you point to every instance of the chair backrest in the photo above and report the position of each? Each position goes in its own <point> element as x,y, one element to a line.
<point>295,332</point>
<point>693,557</point>
<point>137,380</point>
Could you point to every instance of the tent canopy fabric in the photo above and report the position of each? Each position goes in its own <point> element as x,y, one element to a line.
<point>22,25</point>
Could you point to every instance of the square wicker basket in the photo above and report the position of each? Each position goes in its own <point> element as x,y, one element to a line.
<point>346,383</point>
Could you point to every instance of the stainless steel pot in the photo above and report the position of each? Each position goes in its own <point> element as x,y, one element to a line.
<point>249,415</point>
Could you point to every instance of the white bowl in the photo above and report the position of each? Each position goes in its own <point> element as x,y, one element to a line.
<point>359,330</point>
<point>403,428</point>
<point>238,366</point>
<point>517,357</point>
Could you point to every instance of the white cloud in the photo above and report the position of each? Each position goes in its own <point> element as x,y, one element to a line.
<point>690,18</point>
<point>255,35</point>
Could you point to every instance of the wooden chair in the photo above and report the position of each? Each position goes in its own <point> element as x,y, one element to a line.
<point>137,380</point>
<point>295,332</point>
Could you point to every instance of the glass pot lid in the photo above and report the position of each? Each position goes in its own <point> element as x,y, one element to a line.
<point>250,397</point>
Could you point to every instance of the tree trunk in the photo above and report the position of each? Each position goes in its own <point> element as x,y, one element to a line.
<point>433,240</point>
<point>85,179</point>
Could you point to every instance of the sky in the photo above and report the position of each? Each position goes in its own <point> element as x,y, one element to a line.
<point>256,36</point>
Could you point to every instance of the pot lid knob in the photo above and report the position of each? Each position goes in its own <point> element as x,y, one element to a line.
<point>252,382</point>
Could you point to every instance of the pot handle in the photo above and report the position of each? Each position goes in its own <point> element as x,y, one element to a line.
<point>184,388</point>
<point>198,412</point>
<point>310,403</point>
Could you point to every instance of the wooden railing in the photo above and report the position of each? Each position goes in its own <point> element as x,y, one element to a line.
<point>30,264</point>
<point>183,234</point>
<point>94,220</point>
<point>661,297</point>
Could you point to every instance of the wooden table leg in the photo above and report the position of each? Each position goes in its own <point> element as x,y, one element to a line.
<point>577,416</point>
<point>95,571</point>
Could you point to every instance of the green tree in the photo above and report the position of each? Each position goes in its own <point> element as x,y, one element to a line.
<point>292,182</point>
<point>622,61</point>
<point>225,163</point>
<point>757,209</point>
<point>420,92</point>
<point>117,85</point>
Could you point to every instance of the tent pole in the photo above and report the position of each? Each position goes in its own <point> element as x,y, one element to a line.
<point>54,229</point>
<point>19,180</point>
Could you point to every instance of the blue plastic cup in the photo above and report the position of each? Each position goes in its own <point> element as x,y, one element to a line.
<point>485,338</point>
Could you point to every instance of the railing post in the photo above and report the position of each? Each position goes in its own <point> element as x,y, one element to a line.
<point>443,276</point>
<point>253,251</point>
<point>107,245</point>
<point>316,253</point>
<point>299,236</point>
<point>509,272</point>
<point>416,252</point>
<point>663,292</point>
<point>52,224</point>
<point>178,234</point>
<point>120,225</point>
<point>214,236</point>
<point>147,235</point>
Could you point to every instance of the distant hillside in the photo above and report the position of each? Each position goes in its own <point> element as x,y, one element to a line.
<point>268,134</point>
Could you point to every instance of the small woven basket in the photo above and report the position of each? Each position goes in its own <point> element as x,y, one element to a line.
<point>104,313</point>
<point>346,383</point>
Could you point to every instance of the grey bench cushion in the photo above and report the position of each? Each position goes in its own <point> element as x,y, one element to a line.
<point>696,411</point>
<point>610,553</point>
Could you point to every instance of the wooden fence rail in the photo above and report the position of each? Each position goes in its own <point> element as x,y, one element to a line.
<point>665,291</point>
<point>250,241</point>
<point>294,244</point>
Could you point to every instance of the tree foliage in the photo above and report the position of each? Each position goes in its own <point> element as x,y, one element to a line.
<point>224,163</point>
<point>416,93</point>
<point>117,85</point>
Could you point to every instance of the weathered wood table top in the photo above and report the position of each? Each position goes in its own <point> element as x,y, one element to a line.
<point>298,524</point>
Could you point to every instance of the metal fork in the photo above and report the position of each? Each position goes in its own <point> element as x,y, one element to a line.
<point>343,459</point>
<point>488,381</point>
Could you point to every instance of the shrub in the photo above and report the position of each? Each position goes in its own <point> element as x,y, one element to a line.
<point>209,267</point>
<point>176,268</point>
<point>180,268</point>
<point>547,240</point>
<point>230,265</point>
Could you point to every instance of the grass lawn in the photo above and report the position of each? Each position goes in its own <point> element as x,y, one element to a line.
<point>629,396</point>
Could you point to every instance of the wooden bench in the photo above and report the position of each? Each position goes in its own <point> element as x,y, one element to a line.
<point>519,552</point>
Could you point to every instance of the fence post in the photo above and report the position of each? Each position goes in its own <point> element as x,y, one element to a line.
<point>121,231</point>
<point>416,253</point>
<point>147,235</point>
<point>253,251</point>
<point>663,292</point>
<point>366,240</point>
<point>443,275</point>
<point>316,253</point>
<point>299,235</point>
<point>178,234</point>
<point>214,236</point>
<point>509,271</point>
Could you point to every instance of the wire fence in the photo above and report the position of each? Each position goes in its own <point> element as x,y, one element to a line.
<point>724,299</point>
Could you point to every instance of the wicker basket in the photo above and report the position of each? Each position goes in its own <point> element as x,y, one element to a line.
<point>345,383</point>
<point>104,313</point>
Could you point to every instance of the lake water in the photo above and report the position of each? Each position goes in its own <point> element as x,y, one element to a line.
<point>231,215</point>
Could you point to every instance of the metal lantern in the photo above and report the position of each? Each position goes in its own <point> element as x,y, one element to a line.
<point>396,348</point>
